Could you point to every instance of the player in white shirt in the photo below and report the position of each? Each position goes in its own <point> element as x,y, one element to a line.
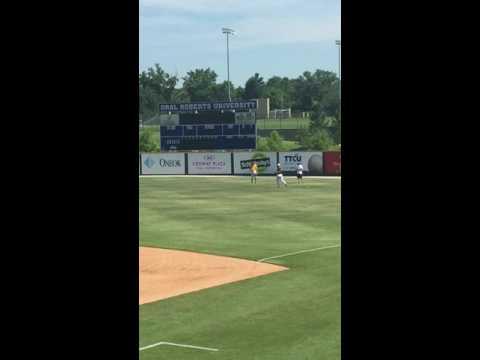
<point>300,173</point>
<point>280,178</point>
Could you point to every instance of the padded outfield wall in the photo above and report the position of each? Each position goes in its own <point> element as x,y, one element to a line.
<point>326,163</point>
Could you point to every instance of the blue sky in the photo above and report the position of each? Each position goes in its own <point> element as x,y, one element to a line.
<point>273,37</point>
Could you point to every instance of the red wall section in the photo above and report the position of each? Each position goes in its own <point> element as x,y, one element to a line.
<point>332,163</point>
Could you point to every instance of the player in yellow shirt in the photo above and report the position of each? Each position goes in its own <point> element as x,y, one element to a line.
<point>253,172</point>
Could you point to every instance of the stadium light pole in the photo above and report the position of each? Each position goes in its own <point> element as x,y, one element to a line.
<point>228,31</point>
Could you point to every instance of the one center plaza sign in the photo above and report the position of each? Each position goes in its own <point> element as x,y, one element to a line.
<point>209,106</point>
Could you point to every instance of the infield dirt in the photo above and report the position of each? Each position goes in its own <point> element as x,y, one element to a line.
<point>167,273</point>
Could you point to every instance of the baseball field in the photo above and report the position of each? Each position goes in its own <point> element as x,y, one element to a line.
<point>292,312</point>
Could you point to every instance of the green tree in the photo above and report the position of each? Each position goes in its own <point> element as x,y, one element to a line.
<point>274,91</point>
<point>272,143</point>
<point>275,142</point>
<point>148,102</point>
<point>326,113</point>
<point>254,87</point>
<point>239,93</point>
<point>262,144</point>
<point>159,81</point>
<point>221,91</point>
<point>311,88</point>
<point>315,92</point>
<point>147,142</point>
<point>319,139</point>
<point>304,92</point>
<point>200,84</point>
<point>155,86</point>
<point>276,97</point>
<point>180,96</point>
<point>338,131</point>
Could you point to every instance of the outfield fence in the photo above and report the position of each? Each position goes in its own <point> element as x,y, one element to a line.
<point>327,163</point>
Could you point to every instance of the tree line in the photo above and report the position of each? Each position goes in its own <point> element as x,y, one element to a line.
<point>317,93</point>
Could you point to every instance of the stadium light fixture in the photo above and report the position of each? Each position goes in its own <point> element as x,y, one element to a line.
<point>228,31</point>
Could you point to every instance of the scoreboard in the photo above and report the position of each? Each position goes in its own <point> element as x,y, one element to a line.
<point>208,126</point>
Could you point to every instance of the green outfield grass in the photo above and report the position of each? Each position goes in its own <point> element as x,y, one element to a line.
<point>292,314</point>
<point>292,123</point>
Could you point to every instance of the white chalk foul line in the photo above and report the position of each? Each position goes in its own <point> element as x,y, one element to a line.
<point>298,252</point>
<point>179,345</point>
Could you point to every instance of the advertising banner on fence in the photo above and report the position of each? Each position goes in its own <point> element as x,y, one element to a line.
<point>209,163</point>
<point>163,164</point>
<point>266,161</point>
<point>312,161</point>
<point>332,162</point>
